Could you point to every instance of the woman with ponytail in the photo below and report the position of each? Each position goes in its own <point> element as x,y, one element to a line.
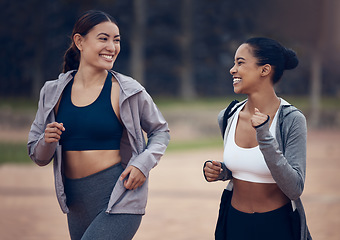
<point>264,151</point>
<point>91,121</point>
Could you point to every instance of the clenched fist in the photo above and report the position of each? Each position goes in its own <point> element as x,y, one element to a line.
<point>212,170</point>
<point>53,132</point>
<point>258,118</point>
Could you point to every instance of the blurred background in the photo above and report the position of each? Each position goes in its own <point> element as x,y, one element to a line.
<point>181,51</point>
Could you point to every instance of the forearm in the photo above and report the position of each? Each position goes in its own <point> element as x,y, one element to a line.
<point>288,170</point>
<point>149,158</point>
<point>41,152</point>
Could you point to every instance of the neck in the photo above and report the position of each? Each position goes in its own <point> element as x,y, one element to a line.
<point>267,102</point>
<point>89,77</point>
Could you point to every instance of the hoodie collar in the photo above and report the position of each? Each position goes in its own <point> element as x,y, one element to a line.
<point>128,85</point>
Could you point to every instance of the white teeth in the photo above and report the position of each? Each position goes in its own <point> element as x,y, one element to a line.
<point>237,80</point>
<point>107,57</point>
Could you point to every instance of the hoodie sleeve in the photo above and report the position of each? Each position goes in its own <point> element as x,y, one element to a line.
<point>289,168</point>
<point>40,151</point>
<point>158,137</point>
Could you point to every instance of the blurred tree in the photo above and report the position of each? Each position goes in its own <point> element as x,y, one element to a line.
<point>317,56</point>
<point>310,25</point>
<point>162,47</point>
<point>23,58</point>
<point>219,28</point>
<point>326,48</point>
<point>187,86</point>
<point>137,40</point>
<point>187,48</point>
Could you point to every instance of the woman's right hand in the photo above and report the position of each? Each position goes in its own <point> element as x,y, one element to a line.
<point>53,132</point>
<point>212,170</point>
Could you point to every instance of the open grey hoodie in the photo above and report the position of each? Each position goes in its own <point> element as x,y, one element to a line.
<point>285,154</point>
<point>138,113</point>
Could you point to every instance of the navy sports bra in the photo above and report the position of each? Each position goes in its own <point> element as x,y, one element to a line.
<point>92,127</point>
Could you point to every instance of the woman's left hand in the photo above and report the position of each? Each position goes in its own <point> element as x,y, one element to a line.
<point>258,118</point>
<point>135,178</point>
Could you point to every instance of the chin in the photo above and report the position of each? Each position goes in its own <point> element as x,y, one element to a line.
<point>107,67</point>
<point>237,91</point>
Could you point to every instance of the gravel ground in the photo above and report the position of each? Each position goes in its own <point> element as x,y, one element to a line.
<point>181,206</point>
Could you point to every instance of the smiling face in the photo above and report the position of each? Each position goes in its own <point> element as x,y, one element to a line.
<point>100,47</point>
<point>246,73</point>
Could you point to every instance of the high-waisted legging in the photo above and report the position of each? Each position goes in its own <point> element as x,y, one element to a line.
<point>87,200</point>
<point>263,226</point>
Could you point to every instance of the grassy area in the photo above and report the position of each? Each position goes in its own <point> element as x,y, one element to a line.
<point>17,152</point>
<point>18,104</point>
<point>202,103</point>
<point>195,144</point>
<point>302,102</point>
<point>14,153</point>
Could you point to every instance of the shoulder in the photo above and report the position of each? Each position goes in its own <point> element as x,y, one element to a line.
<point>53,87</point>
<point>292,117</point>
<point>132,90</point>
<point>62,79</point>
<point>128,85</point>
<point>227,112</point>
<point>290,112</point>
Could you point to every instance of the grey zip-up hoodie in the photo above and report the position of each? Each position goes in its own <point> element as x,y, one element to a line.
<point>285,155</point>
<point>138,113</point>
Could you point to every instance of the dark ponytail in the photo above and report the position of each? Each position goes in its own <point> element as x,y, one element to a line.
<point>269,51</point>
<point>83,26</point>
<point>71,58</point>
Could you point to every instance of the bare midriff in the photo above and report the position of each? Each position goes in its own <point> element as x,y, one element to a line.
<point>79,164</point>
<point>250,197</point>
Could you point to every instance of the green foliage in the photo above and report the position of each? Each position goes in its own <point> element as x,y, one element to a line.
<point>200,103</point>
<point>303,103</point>
<point>195,144</point>
<point>14,153</point>
<point>39,31</point>
<point>18,104</point>
<point>171,108</point>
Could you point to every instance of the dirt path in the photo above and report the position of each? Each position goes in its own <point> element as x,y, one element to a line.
<point>181,206</point>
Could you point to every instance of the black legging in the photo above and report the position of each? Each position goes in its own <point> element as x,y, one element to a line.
<point>262,226</point>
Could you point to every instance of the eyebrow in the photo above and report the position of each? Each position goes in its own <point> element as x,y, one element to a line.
<point>240,58</point>
<point>107,35</point>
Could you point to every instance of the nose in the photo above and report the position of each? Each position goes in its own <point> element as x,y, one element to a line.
<point>232,70</point>
<point>111,46</point>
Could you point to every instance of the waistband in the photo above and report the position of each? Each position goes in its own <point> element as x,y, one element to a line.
<point>117,165</point>
<point>283,209</point>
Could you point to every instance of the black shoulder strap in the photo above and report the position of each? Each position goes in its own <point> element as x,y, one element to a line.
<point>227,114</point>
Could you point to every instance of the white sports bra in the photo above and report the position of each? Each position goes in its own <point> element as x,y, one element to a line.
<point>247,164</point>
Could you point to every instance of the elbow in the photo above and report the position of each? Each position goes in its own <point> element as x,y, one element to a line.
<point>166,137</point>
<point>37,160</point>
<point>296,194</point>
<point>42,153</point>
<point>162,138</point>
<point>40,163</point>
<point>294,197</point>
